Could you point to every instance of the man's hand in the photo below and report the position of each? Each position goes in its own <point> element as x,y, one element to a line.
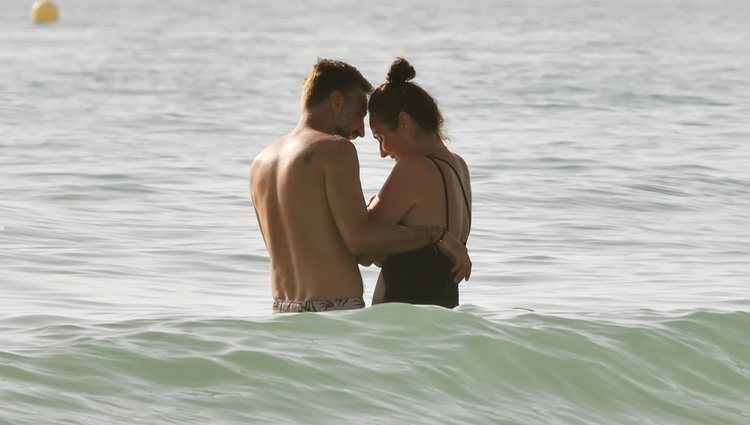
<point>458,254</point>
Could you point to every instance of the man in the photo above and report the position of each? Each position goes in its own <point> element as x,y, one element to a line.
<point>308,200</point>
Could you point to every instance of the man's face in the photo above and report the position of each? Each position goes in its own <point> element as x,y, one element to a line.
<point>350,123</point>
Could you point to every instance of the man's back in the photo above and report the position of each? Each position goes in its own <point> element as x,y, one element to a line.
<point>309,259</point>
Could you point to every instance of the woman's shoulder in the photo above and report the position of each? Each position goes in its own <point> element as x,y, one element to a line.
<point>412,173</point>
<point>464,165</point>
<point>460,160</point>
<point>413,164</point>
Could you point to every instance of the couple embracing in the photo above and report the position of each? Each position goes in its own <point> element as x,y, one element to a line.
<point>308,198</point>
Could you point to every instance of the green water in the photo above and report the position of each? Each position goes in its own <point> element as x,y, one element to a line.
<point>389,364</point>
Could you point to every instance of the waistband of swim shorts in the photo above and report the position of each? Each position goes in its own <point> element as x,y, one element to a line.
<point>291,306</point>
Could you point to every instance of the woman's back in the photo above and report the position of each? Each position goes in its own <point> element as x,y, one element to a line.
<point>424,276</point>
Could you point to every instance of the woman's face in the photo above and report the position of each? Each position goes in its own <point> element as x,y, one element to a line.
<point>391,142</point>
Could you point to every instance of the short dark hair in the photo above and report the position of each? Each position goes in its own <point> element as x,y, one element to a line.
<point>328,75</point>
<point>399,94</point>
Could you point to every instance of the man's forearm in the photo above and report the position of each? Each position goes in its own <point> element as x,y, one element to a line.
<point>384,239</point>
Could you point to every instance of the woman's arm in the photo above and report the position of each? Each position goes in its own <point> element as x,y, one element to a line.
<point>392,203</point>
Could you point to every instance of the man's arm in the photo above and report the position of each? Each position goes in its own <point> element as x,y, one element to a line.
<point>458,254</point>
<point>347,204</point>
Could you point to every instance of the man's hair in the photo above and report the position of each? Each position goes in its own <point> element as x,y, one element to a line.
<point>328,75</point>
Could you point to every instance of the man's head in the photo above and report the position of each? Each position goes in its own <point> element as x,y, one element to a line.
<point>344,89</point>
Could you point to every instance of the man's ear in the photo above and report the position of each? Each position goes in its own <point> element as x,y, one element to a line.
<point>336,99</point>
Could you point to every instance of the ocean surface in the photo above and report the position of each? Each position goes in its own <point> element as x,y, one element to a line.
<point>609,146</point>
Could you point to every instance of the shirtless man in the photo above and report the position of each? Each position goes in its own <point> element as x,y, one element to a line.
<point>308,200</point>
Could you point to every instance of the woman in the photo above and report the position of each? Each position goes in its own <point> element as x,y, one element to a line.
<point>429,185</point>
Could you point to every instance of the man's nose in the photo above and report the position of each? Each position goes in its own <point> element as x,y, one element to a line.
<point>360,130</point>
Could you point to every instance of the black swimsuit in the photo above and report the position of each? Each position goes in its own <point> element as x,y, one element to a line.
<point>423,276</point>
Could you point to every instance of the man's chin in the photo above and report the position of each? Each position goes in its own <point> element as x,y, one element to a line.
<point>344,134</point>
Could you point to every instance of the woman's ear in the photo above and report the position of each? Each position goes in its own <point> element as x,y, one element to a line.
<point>404,120</point>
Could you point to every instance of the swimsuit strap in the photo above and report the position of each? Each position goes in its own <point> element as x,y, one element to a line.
<point>458,176</point>
<point>445,190</point>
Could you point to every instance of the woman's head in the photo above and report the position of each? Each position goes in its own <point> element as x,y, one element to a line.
<point>398,94</point>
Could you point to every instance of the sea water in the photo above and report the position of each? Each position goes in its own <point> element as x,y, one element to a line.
<point>609,147</point>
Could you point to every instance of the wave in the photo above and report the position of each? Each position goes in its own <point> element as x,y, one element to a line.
<point>386,364</point>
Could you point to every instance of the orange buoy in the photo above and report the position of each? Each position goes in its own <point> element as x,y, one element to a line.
<point>44,11</point>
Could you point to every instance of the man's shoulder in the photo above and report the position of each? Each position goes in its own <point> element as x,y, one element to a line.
<point>265,158</point>
<point>332,142</point>
<point>334,149</point>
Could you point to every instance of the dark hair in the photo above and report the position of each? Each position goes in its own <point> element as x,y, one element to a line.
<point>328,75</point>
<point>399,94</point>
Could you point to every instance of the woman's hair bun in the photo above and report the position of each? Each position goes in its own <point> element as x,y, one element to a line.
<point>400,71</point>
